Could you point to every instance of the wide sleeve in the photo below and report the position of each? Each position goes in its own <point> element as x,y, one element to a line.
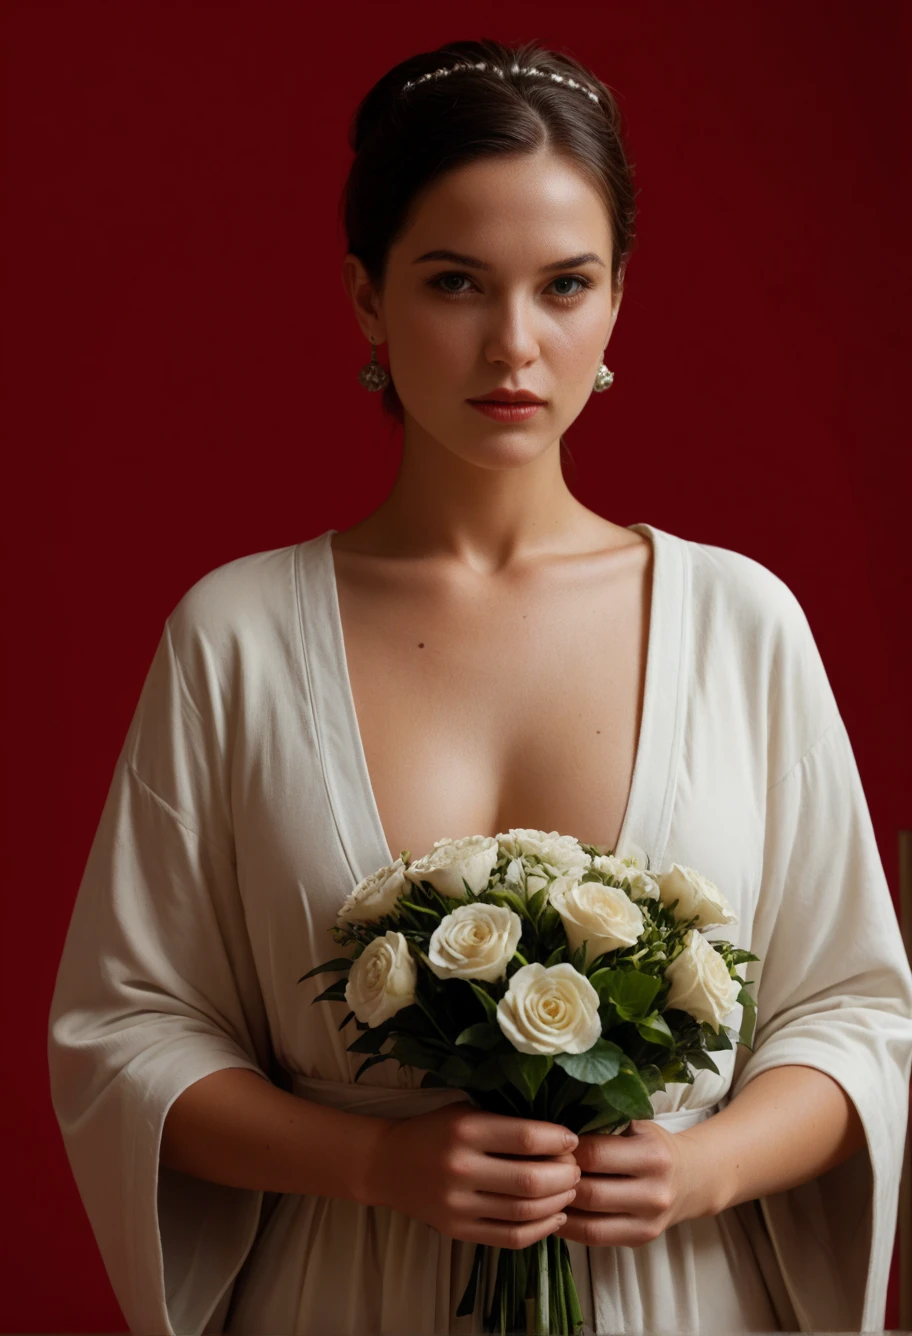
<point>834,991</point>
<point>156,988</point>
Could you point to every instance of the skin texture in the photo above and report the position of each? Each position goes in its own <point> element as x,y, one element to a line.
<point>496,1180</point>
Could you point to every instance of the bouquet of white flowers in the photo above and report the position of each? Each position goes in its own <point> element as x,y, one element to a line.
<point>459,959</point>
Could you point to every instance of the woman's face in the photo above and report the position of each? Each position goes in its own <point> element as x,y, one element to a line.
<point>513,306</point>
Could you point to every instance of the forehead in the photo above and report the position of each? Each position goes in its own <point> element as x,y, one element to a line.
<point>520,206</point>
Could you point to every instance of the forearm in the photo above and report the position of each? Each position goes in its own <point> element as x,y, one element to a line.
<point>787,1126</point>
<point>234,1127</point>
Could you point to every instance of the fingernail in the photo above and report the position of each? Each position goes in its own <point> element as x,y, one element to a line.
<point>571,1141</point>
<point>561,1220</point>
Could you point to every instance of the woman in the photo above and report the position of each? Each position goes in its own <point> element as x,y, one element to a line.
<point>482,653</point>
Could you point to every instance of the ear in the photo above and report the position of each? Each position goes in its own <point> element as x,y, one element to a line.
<point>364,297</point>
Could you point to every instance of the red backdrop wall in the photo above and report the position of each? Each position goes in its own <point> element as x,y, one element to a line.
<point>181,388</point>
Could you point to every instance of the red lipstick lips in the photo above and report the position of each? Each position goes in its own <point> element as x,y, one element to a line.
<point>508,405</point>
<point>508,397</point>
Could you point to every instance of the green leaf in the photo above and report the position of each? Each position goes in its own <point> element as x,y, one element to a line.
<point>714,1041</point>
<point>481,1035</point>
<point>651,1077</point>
<point>341,963</point>
<point>674,1070</point>
<point>342,1024</point>
<point>431,1079</point>
<point>748,1020</point>
<point>702,1060</point>
<point>628,1093</point>
<point>633,993</point>
<point>578,957</point>
<point>416,1052</point>
<point>371,1041</point>
<point>372,1062</point>
<point>537,903</point>
<point>420,909</point>
<point>456,1070</point>
<point>599,1063</point>
<point>526,1071</point>
<point>654,1028</point>
<point>513,902</point>
<point>555,955</point>
<point>334,993</point>
<point>490,1005</point>
<point>550,919</point>
<point>604,1118</point>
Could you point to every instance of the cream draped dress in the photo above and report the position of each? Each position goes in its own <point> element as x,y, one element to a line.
<point>239,816</point>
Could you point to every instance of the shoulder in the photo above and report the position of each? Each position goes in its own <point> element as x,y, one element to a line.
<point>237,612</point>
<point>748,622</point>
<point>724,579</point>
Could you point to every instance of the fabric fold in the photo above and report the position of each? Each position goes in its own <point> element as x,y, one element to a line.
<point>834,992</point>
<point>139,1013</point>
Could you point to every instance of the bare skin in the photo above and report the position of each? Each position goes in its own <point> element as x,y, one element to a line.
<point>489,1184</point>
<point>516,697</point>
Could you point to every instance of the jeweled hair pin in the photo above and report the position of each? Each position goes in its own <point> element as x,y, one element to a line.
<point>515,69</point>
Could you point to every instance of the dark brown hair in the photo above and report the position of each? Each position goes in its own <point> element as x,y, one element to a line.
<point>404,140</point>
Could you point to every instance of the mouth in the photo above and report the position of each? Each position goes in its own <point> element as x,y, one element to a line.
<point>507,399</point>
<point>501,410</point>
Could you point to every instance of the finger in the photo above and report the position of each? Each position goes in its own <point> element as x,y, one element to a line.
<point>635,1154</point>
<point>518,1136</point>
<point>523,1177</point>
<point>643,1198</point>
<point>514,1235</point>
<point>498,1206</point>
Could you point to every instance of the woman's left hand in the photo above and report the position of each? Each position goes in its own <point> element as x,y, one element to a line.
<point>635,1184</point>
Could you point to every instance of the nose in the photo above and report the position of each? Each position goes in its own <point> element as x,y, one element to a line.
<point>512,339</point>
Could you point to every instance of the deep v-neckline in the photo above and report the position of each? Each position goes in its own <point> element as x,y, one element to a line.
<point>350,791</point>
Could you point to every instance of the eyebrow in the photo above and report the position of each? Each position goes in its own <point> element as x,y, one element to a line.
<point>470,261</point>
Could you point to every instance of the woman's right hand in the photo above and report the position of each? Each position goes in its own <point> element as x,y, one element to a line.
<point>474,1175</point>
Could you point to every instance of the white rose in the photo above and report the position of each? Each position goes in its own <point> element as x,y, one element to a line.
<point>558,853</point>
<point>550,1010</point>
<point>605,915</point>
<point>696,895</point>
<point>701,983</point>
<point>643,886</point>
<point>472,857</point>
<point>382,980</point>
<point>475,941</point>
<point>376,895</point>
<point>524,877</point>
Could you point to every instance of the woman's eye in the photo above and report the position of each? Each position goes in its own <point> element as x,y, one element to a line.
<point>439,280</point>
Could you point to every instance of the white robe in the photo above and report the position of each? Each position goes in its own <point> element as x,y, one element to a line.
<point>239,816</point>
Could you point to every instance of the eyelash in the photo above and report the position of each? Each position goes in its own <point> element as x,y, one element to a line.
<point>566,299</point>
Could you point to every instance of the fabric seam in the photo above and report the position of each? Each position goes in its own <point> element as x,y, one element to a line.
<point>177,818</point>
<point>801,759</point>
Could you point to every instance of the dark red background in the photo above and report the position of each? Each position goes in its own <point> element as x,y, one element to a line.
<point>181,388</point>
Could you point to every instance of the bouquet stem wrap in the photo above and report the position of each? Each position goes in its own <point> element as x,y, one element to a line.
<point>534,1288</point>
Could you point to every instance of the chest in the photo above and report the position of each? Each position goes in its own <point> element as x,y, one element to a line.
<point>483,708</point>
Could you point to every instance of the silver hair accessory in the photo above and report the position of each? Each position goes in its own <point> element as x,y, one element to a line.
<point>514,69</point>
